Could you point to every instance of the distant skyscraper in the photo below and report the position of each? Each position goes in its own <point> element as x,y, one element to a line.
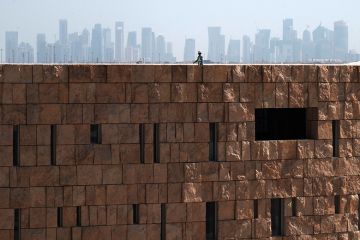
<point>160,48</point>
<point>233,54</point>
<point>247,56</point>
<point>169,53</point>
<point>63,31</point>
<point>41,55</point>
<point>147,43</point>
<point>108,46</point>
<point>324,40</point>
<point>262,46</point>
<point>341,40</point>
<point>216,51</point>
<point>97,44</point>
<point>132,48</point>
<point>11,47</point>
<point>189,51</point>
<point>119,42</point>
<point>25,53</point>
<point>288,32</point>
<point>307,47</point>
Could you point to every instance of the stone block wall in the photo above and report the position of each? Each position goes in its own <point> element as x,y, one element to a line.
<point>65,187</point>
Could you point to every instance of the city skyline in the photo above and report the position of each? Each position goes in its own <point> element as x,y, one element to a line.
<point>176,20</point>
<point>104,44</point>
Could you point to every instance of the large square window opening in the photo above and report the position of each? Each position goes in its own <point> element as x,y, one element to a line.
<point>285,123</point>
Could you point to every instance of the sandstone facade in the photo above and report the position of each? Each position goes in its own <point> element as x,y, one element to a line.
<point>96,186</point>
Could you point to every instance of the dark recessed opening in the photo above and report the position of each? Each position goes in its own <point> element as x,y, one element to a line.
<point>213,151</point>
<point>256,209</point>
<point>53,145</point>
<point>142,142</point>
<point>211,221</point>
<point>294,206</point>
<point>136,213</point>
<point>95,134</point>
<point>156,143</point>
<point>59,216</point>
<point>337,204</point>
<point>284,123</point>
<point>78,216</point>
<point>16,146</point>
<point>277,217</point>
<point>17,224</point>
<point>335,136</point>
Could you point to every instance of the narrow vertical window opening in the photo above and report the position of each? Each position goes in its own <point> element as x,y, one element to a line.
<point>163,222</point>
<point>277,217</point>
<point>211,221</point>
<point>95,134</point>
<point>78,216</point>
<point>17,224</point>
<point>142,142</point>
<point>294,207</point>
<point>60,217</point>
<point>16,145</point>
<point>156,143</point>
<point>337,204</point>
<point>256,208</point>
<point>136,214</point>
<point>335,137</point>
<point>213,151</point>
<point>53,145</point>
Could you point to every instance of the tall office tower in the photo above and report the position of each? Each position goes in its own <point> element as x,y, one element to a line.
<point>216,51</point>
<point>233,53</point>
<point>160,52</point>
<point>41,54</point>
<point>63,31</point>
<point>341,40</point>
<point>119,42</point>
<point>11,47</point>
<point>96,44</point>
<point>247,55</point>
<point>86,50</point>
<point>275,47</point>
<point>169,53</point>
<point>307,52</point>
<point>288,31</point>
<point>262,46</point>
<point>147,44</point>
<point>25,53</point>
<point>108,46</point>
<point>324,40</point>
<point>189,51</point>
<point>132,48</point>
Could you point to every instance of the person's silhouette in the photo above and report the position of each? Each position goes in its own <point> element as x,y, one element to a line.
<point>199,59</point>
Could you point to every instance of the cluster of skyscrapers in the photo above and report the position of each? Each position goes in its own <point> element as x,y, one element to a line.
<point>97,46</point>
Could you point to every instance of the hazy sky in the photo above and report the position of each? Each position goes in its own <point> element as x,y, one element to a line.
<point>177,19</point>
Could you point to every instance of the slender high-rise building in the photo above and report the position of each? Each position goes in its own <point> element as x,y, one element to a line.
<point>233,53</point>
<point>11,47</point>
<point>160,49</point>
<point>119,42</point>
<point>262,46</point>
<point>189,51</point>
<point>108,46</point>
<point>288,31</point>
<point>147,44</point>
<point>247,56</point>
<point>341,40</point>
<point>132,48</point>
<point>97,44</point>
<point>216,51</point>
<point>41,54</point>
<point>63,31</point>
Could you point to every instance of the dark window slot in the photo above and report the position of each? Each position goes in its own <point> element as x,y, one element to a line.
<point>358,212</point>
<point>17,224</point>
<point>78,216</point>
<point>16,145</point>
<point>277,217</point>
<point>211,221</point>
<point>337,204</point>
<point>335,137</point>
<point>294,207</point>
<point>136,214</point>
<point>142,142</point>
<point>95,134</point>
<point>213,151</point>
<point>163,222</point>
<point>156,143</point>
<point>256,209</point>
<point>284,123</point>
<point>60,217</point>
<point>53,144</point>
